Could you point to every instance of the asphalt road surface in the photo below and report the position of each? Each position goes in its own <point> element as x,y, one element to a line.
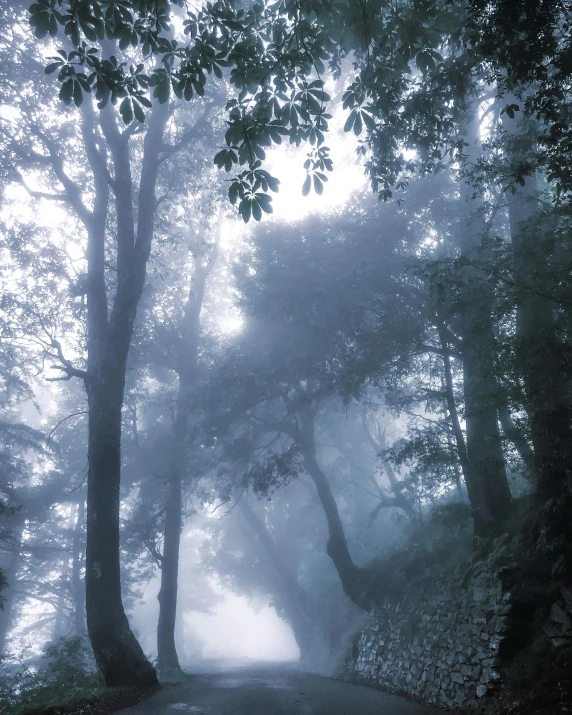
<point>272,691</point>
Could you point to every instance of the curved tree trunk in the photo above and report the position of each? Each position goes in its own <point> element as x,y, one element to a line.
<point>304,621</point>
<point>117,651</point>
<point>354,580</point>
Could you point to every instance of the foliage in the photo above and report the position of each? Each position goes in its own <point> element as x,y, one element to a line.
<point>3,580</point>
<point>335,309</point>
<point>527,49</point>
<point>277,471</point>
<point>65,675</point>
<point>416,66</point>
<point>260,44</point>
<point>429,455</point>
<point>446,536</point>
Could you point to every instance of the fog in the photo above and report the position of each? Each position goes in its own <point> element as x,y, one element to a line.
<point>232,630</point>
<point>235,631</point>
<point>284,325</point>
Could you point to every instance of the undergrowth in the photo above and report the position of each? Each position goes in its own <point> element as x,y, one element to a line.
<point>64,676</point>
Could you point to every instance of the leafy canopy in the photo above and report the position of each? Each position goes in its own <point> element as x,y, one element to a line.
<point>416,62</point>
<point>275,53</point>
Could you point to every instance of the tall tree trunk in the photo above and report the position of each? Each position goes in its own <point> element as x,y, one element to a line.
<point>168,667</point>
<point>459,448</point>
<point>168,661</point>
<point>78,584</point>
<point>452,405</point>
<point>512,433</point>
<point>456,471</point>
<point>61,615</point>
<point>10,563</point>
<point>486,479</point>
<point>355,580</point>
<point>543,359</point>
<point>117,652</point>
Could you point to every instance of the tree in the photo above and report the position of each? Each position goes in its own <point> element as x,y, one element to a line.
<point>417,66</point>
<point>486,478</point>
<point>186,369</point>
<point>291,598</point>
<point>307,343</point>
<point>19,503</point>
<point>112,193</point>
<point>405,308</point>
<point>277,54</point>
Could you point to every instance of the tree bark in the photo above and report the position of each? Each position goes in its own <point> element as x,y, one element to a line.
<point>452,405</point>
<point>78,586</point>
<point>486,479</point>
<point>168,665</point>
<point>117,652</point>
<point>543,359</point>
<point>10,565</point>
<point>512,433</point>
<point>354,580</point>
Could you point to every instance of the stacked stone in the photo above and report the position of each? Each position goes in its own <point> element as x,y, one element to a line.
<point>440,642</point>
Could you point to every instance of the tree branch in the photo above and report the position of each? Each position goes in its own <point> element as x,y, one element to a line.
<point>66,366</point>
<point>72,190</point>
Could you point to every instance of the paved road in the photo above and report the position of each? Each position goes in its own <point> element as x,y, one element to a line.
<point>272,691</point>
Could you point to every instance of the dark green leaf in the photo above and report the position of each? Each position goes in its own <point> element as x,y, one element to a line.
<point>350,121</point>
<point>138,111</point>
<point>245,209</point>
<point>126,110</point>
<point>256,210</point>
<point>233,192</point>
<point>265,202</point>
<point>66,91</point>
<point>77,93</point>
<point>53,67</point>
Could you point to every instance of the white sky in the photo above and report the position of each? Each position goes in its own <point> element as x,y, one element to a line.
<point>234,631</point>
<point>237,631</point>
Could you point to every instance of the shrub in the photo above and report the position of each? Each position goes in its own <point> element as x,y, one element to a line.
<point>62,677</point>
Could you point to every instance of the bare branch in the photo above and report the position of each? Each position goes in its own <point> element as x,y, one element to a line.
<point>72,190</point>
<point>66,366</point>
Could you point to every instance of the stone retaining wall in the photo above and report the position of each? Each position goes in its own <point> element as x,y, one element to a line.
<point>440,641</point>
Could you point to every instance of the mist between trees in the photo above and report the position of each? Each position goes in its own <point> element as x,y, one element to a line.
<point>310,399</point>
